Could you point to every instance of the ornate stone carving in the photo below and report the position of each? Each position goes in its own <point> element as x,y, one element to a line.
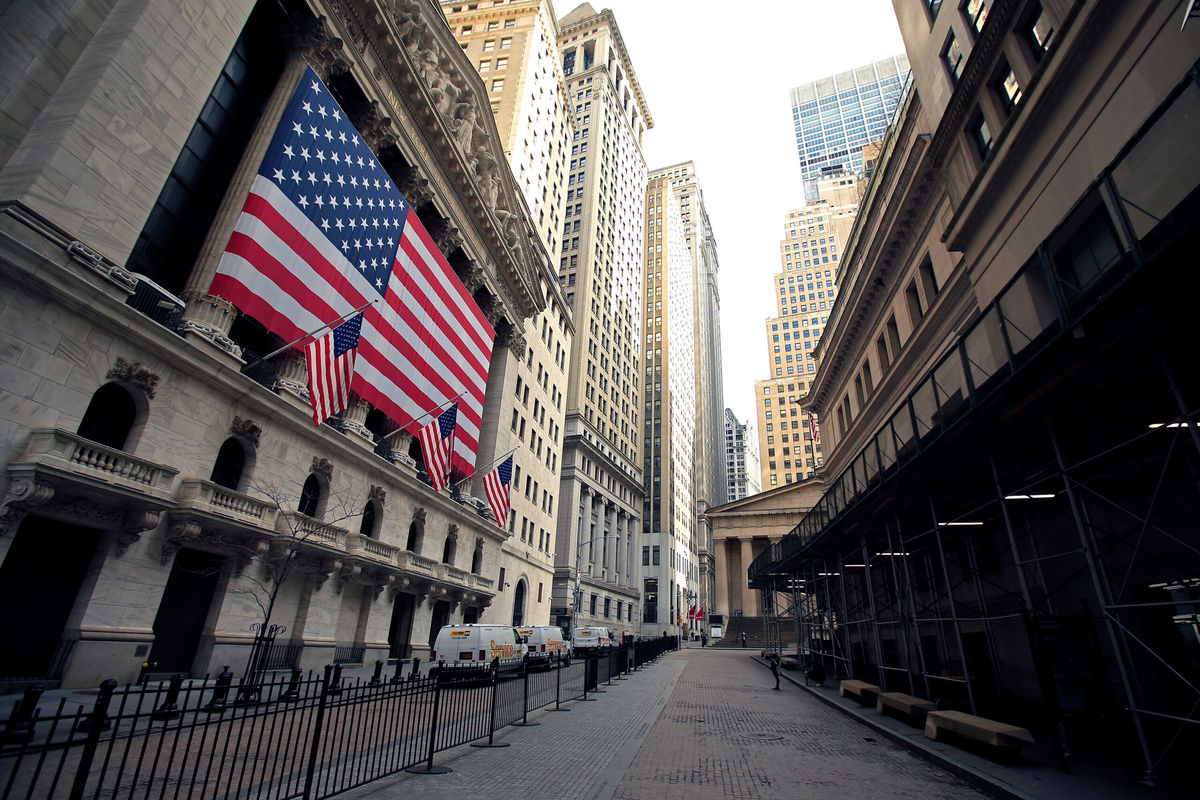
<point>419,515</point>
<point>452,531</point>
<point>136,375</point>
<point>377,129</point>
<point>179,534</point>
<point>24,494</point>
<point>245,429</point>
<point>415,188</point>
<point>508,335</point>
<point>210,318</point>
<point>472,276</point>
<point>134,522</point>
<point>322,466</point>
<point>292,374</point>
<point>344,573</point>
<point>377,494</point>
<point>86,511</point>
<point>313,39</point>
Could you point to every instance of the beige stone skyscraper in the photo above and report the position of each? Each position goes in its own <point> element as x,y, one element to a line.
<point>805,290</point>
<point>600,270</point>
<point>513,48</point>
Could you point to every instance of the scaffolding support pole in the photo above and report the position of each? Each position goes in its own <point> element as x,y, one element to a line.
<point>1098,585</point>
<point>904,629</point>
<point>912,607</point>
<point>962,653</point>
<point>879,665</point>
<point>847,649</point>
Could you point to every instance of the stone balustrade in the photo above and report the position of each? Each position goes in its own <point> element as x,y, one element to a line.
<point>83,456</point>
<point>213,498</point>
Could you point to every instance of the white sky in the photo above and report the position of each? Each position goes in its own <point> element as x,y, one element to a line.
<point>716,76</point>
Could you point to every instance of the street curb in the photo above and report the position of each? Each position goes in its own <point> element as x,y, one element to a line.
<point>980,780</point>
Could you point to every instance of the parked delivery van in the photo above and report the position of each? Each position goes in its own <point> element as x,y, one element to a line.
<point>477,645</point>
<point>592,639</point>
<point>544,643</point>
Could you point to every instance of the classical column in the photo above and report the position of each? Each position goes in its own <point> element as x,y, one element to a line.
<point>618,556</point>
<point>610,545</point>
<point>749,601</point>
<point>721,576</point>
<point>208,318</point>
<point>631,554</point>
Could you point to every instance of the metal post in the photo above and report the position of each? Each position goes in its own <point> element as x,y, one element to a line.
<point>558,686</point>
<point>847,650</point>
<point>318,727</point>
<point>96,722</point>
<point>866,556</point>
<point>1149,777</point>
<point>19,729</point>
<point>962,653</point>
<point>899,600</point>
<point>170,706</point>
<point>912,607</point>
<point>524,723</point>
<point>221,691</point>
<point>429,768</point>
<point>377,675</point>
<point>491,742</point>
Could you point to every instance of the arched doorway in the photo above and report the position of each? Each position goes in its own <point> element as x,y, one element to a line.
<point>519,603</point>
<point>109,417</point>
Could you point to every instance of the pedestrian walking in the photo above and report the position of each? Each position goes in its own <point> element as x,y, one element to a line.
<point>704,640</point>
<point>773,660</point>
<point>743,639</point>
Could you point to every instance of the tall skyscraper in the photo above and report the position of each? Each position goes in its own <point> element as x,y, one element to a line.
<point>600,270</point>
<point>708,465</point>
<point>805,290</point>
<point>514,49</point>
<point>835,116</point>
<point>670,568</point>
<point>741,458</point>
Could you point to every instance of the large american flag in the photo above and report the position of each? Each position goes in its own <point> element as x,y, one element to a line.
<point>324,231</point>
<point>436,438</point>
<point>330,367</point>
<point>496,485</point>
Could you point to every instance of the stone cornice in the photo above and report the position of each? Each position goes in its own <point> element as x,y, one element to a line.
<point>405,56</point>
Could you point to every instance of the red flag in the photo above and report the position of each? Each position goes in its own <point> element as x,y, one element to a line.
<point>692,612</point>
<point>816,432</point>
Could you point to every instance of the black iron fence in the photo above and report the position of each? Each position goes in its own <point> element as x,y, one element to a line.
<point>283,735</point>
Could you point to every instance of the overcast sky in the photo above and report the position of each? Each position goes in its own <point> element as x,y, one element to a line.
<point>717,87</point>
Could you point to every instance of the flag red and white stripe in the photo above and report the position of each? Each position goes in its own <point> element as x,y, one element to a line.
<point>435,439</point>
<point>331,367</point>
<point>304,253</point>
<point>497,485</point>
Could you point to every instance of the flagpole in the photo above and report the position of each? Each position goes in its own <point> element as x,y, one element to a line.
<point>491,464</point>
<point>333,324</point>
<point>436,410</point>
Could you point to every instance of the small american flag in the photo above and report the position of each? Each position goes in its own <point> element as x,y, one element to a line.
<point>330,367</point>
<point>435,446</point>
<point>812,426</point>
<point>495,485</point>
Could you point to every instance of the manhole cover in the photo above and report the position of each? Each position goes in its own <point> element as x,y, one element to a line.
<point>765,737</point>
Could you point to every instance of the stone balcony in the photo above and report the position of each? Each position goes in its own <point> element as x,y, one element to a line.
<point>65,476</point>
<point>208,513</point>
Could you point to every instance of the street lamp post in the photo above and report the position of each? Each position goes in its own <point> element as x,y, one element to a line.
<point>578,592</point>
<point>691,598</point>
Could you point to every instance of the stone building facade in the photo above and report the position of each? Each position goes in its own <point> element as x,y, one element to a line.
<point>156,470</point>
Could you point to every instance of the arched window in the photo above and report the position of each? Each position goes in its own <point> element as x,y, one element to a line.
<point>416,532</point>
<point>449,548</point>
<point>370,516</point>
<point>477,557</point>
<point>230,464</point>
<point>311,497</point>
<point>519,604</point>
<point>109,417</point>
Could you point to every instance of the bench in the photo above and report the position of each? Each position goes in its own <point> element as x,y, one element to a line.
<point>865,693</point>
<point>789,662</point>
<point>999,738</point>
<point>904,707</point>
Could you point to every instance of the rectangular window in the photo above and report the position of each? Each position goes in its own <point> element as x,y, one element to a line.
<point>1007,88</point>
<point>655,555</point>
<point>952,57</point>
<point>497,84</point>
<point>1038,31</point>
<point>505,42</point>
<point>980,134</point>
<point>976,12</point>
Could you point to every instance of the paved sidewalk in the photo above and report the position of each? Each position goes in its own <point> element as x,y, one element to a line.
<point>699,724</point>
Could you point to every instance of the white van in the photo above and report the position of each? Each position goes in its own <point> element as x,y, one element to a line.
<point>476,645</point>
<point>590,639</point>
<point>544,643</point>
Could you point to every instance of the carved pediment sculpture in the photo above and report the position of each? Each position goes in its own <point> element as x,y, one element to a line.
<point>136,375</point>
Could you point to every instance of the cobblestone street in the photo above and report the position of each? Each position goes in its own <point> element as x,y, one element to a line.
<point>700,724</point>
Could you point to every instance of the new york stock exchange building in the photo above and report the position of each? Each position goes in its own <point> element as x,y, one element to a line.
<point>188,188</point>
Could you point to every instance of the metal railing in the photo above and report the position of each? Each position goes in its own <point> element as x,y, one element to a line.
<point>290,736</point>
